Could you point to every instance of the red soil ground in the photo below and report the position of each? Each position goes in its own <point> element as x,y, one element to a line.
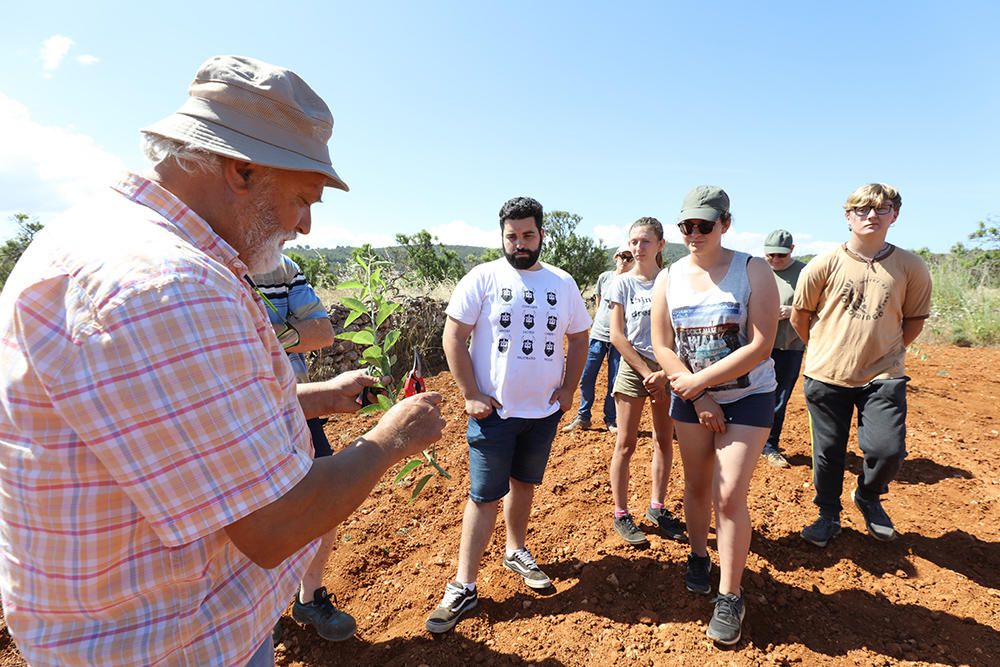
<point>931,597</point>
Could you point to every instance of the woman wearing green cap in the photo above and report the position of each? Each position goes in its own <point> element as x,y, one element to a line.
<point>714,315</point>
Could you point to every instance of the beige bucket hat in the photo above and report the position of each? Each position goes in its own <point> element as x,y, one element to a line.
<point>246,109</point>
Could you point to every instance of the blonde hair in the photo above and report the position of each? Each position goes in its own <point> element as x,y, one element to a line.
<point>874,194</point>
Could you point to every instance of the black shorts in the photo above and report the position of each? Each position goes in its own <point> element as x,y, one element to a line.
<point>753,410</point>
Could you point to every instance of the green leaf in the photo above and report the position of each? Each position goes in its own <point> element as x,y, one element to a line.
<point>369,409</point>
<point>384,311</point>
<point>354,304</point>
<point>390,340</point>
<point>364,337</point>
<point>351,316</point>
<point>410,466</point>
<point>350,284</point>
<point>419,486</point>
<point>441,471</point>
<point>384,402</point>
<point>373,354</point>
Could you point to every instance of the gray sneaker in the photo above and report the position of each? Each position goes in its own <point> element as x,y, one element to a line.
<point>629,532</point>
<point>727,619</point>
<point>821,531</point>
<point>330,623</point>
<point>668,524</point>
<point>456,601</point>
<point>775,459</point>
<point>578,422</point>
<point>523,564</point>
<point>612,427</point>
<point>879,524</point>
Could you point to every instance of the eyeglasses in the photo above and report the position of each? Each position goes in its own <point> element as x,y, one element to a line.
<point>703,226</point>
<point>288,336</point>
<point>863,211</point>
<point>625,256</point>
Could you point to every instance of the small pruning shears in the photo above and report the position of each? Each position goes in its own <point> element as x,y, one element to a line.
<point>415,378</point>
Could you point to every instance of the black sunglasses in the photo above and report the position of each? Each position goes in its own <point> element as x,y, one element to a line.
<point>703,226</point>
<point>626,256</point>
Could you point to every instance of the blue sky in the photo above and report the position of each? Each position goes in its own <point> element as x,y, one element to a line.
<point>445,109</point>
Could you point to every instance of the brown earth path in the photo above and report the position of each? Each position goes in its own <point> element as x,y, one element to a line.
<point>931,597</point>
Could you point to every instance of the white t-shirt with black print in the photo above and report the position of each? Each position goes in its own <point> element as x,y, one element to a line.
<point>520,319</point>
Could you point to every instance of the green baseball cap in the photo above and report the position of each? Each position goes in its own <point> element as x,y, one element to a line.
<point>705,202</point>
<point>778,242</point>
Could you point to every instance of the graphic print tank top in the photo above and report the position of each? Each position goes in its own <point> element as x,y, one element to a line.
<point>711,325</point>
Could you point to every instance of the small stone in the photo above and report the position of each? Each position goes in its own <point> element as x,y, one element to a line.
<point>526,604</point>
<point>613,580</point>
<point>648,617</point>
<point>901,574</point>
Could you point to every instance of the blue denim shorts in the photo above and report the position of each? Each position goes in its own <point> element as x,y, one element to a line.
<point>503,448</point>
<point>753,410</point>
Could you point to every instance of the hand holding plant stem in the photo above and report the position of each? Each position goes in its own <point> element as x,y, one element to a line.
<point>373,303</point>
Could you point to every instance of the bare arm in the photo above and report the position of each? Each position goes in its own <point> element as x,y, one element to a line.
<point>319,399</point>
<point>800,320</point>
<point>762,324</point>
<point>456,334</point>
<point>663,330</point>
<point>618,339</point>
<point>336,485</point>
<point>912,326</point>
<point>576,358</point>
<point>314,334</point>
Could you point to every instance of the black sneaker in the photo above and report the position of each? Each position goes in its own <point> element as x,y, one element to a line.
<point>879,524</point>
<point>522,563</point>
<point>629,532</point>
<point>821,531</point>
<point>668,524</point>
<point>456,601</point>
<point>726,624</point>
<point>330,623</point>
<point>697,579</point>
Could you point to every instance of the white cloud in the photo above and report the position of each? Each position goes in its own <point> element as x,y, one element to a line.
<point>610,235</point>
<point>46,169</point>
<point>330,236</point>
<point>459,232</point>
<point>87,59</point>
<point>54,49</point>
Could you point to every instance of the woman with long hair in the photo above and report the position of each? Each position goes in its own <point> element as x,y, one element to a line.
<point>640,377</point>
<point>714,316</point>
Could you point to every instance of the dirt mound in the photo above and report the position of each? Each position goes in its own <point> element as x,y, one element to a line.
<point>931,597</point>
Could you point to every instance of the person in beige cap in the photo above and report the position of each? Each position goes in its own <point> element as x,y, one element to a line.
<point>600,347</point>
<point>161,500</point>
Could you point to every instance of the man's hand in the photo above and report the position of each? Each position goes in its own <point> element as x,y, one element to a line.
<point>481,406</point>
<point>565,397</point>
<point>784,312</point>
<point>344,389</point>
<point>685,385</point>
<point>710,414</point>
<point>410,426</point>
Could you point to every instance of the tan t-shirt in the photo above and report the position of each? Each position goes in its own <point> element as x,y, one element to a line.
<point>857,333</point>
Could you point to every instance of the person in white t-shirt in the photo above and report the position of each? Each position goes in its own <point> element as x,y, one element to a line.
<point>516,384</point>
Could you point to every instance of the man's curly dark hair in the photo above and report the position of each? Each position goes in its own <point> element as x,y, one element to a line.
<point>519,208</point>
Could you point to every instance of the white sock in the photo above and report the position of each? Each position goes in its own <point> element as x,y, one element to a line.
<point>469,587</point>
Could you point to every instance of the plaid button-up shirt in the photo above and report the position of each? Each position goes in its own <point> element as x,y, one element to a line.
<point>145,404</point>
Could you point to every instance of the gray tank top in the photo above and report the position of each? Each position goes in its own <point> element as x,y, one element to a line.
<point>711,325</point>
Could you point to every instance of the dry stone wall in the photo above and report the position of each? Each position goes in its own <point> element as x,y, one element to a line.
<point>421,323</point>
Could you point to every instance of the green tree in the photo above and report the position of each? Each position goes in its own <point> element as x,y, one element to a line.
<point>488,255</point>
<point>428,260</point>
<point>12,249</point>
<point>315,268</point>
<point>578,255</point>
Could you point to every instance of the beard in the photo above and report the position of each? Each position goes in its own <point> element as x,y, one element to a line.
<point>523,262</point>
<point>262,237</point>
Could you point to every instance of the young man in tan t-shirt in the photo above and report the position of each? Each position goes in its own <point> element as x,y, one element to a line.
<point>857,308</point>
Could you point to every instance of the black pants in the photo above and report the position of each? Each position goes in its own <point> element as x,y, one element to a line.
<point>786,372</point>
<point>881,408</point>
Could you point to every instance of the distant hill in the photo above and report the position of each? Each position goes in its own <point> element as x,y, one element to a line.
<point>469,254</point>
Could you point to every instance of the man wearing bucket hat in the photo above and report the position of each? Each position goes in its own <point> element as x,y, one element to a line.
<point>788,348</point>
<point>600,347</point>
<point>161,501</point>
